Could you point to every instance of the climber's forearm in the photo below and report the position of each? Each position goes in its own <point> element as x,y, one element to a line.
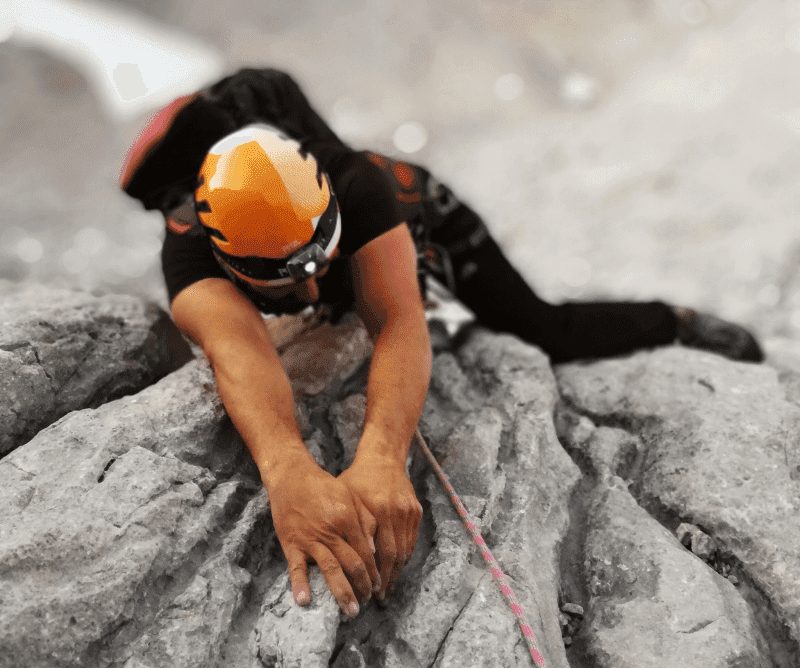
<point>258,398</point>
<point>398,383</point>
<point>251,381</point>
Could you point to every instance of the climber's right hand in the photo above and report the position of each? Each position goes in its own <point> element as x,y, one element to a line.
<point>316,517</point>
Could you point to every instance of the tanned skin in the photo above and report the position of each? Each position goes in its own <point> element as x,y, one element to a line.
<point>360,527</point>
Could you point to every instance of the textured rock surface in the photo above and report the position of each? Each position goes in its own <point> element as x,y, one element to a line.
<point>518,479</point>
<point>137,534</point>
<point>104,515</point>
<point>190,630</point>
<point>294,637</point>
<point>128,533</point>
<point>62,350</point>
<point>348,420</point>
<point>489,417</point>
<point>720,452</point>
<point>447,582</point>
<point>322,357</point>
<point>652,601</point>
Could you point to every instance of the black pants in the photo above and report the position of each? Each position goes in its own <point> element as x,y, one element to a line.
<point>487,284</point>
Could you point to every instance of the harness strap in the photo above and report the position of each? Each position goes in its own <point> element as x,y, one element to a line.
<point>423,203</point>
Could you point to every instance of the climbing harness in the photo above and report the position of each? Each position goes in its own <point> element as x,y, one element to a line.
<point>497,574</point>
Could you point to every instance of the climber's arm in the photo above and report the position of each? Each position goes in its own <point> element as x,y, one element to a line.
<point>389,302</point>
<point>315,515</point>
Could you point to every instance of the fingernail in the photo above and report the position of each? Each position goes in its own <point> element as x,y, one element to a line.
<point>380,595</point>
<point>302,598</point>
<point>377,586</point>
<point>372,544</point>
<point>352,609</point>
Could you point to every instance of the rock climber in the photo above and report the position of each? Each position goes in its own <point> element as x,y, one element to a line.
<point>268,211</point>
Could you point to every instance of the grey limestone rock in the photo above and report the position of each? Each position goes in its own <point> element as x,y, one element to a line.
<point>501,450</point>
<point>289,636</point>
<point>348,421</point>
<point>472,465</point>
<point>698,542</point>
<point>485,633</point>
<point>62,350</point>
<point>652,601</point>
<point>129,533</point>
<point>104,513</point>
<point>191,629</point>
<point>721,452</point>
<point>447,582</point>
<point>350,657</point>
<point>137,534</point>
<point>606,451</point>
<point>320,358</point>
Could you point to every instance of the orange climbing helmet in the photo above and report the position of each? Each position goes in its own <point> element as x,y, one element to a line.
<point>268,209</point>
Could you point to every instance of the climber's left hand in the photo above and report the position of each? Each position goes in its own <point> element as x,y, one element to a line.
<point>381,483</point>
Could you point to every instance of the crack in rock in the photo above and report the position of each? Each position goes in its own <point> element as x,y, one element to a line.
<point>699,627</point>
<point>450,630</point>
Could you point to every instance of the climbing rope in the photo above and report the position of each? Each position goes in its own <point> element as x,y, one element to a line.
<point>497,574</point>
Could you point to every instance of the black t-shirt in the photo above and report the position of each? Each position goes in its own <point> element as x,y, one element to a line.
<point>168,174</point>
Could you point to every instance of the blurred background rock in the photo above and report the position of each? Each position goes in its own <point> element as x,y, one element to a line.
<point>621,148</point>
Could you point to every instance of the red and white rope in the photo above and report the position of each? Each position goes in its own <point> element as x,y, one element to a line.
<point>497,574</point>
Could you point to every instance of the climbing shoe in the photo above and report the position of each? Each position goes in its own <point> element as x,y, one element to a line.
<point>707,332</point>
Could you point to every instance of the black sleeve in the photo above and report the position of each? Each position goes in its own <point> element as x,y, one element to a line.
<point>368,208</point>
<point>186,259</point>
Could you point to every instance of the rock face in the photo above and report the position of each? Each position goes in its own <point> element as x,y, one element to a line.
<point>287,635</point>
<point>104,515</point>
<point>123,529</point>
<point>717,449</point>
<point>489,420</point>
<point>651,599</point>
<point>137,534</point>
<point>62,350</point>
